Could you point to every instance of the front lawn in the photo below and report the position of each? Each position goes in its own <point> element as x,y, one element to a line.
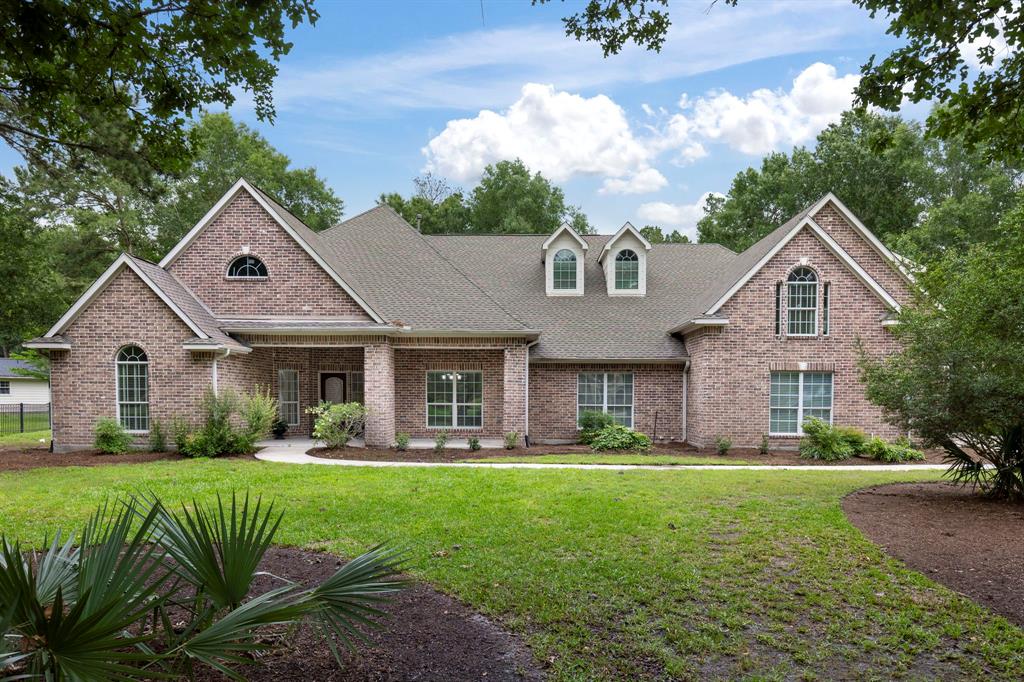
<point>27,439</point>
<point>613,458</point>
<point>637,574</point>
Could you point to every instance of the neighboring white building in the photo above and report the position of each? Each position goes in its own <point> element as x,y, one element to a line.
<point>15,388</point>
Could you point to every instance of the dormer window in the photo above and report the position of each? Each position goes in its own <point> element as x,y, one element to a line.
<point>564,270</point>
<point>247,267</point>
<point>627,270</point>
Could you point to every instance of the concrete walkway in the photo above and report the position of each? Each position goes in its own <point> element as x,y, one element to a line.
<point>293,451</point>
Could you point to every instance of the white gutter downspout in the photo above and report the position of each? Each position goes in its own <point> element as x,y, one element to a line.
<point>526,420</point>
<point>227,352</point>
<point>686,389</point>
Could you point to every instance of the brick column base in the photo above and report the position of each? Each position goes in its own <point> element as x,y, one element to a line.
<point>514,412</point>
<point>379,394</point>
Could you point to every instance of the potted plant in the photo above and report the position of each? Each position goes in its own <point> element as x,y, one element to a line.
<point>279,428</point>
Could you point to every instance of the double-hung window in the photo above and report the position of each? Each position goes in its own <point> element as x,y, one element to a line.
<point>455,400</point>
<point>288,395</point>
<point>802,303</point>
<point>5,387</point>
<point>796,397</point>
<point>609,392</point>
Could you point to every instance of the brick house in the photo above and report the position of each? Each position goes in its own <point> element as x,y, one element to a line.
<point>482,335</point>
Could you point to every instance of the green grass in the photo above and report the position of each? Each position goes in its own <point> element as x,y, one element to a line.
<point>612,458</point>
<point>34,421</point>
<point>27,439</point>
<point>609,575</point>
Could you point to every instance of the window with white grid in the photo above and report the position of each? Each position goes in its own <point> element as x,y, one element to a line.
<point>609,392</point>
<point>796,397</point>
<point>288,395</point>
<point>802,303</point>
<point>564,270</point>
<point>455,399</point>
<point>133,388</point>
<point>627,270</point>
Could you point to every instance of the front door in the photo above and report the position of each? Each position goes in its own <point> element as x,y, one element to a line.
<point>332,387</point>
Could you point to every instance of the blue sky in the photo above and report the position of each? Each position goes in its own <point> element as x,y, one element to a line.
<point>377,92</point>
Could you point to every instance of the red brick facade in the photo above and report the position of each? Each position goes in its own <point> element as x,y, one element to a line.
<point>296,285</point>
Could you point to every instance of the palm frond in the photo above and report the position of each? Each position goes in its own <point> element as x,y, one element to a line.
<point>58,570</point>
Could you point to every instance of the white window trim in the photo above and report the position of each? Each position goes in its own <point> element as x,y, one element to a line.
<point>549,273</point>
<point>604,396</point>
<point>5,387</point>
<point>246,278</point>
<point>117,389</point>
<point>817,312</point>
<point>799,433</point>
<point>298,393</point>
<point>454,403</point>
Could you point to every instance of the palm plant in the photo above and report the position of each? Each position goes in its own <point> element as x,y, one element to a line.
<point>149,593</point>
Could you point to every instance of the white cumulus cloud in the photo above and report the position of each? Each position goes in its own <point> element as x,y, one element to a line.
<point>683,217</point>
<point>557,133</point>
<point>764,120</point>
<point>641,182</point>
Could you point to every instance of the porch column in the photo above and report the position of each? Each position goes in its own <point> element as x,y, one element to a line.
<point>379,394</point>
<point>514,412</point>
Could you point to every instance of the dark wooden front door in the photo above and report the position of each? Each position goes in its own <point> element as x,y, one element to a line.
<point>332,387</point>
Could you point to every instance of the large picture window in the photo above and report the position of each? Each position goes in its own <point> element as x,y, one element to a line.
<point>288,395</point>
<point>796,397</point>
<point>133,389</point>
<point>455,400</point>
<point>802,302</point>
<point>627,270</point>
<point>564,270</point>
<point>610,392</point>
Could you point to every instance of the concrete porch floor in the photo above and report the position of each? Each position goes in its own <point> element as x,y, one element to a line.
<point>301,444</point>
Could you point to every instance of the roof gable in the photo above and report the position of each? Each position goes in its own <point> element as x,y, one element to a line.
<point>627,228</point>
<point>566,228</point>
<point>306,238</point>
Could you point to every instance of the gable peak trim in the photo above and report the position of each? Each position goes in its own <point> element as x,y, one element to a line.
<point>565,227</point>
<point>626,227</point>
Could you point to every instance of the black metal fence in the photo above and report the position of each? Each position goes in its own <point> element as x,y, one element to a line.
<point>22,417</point>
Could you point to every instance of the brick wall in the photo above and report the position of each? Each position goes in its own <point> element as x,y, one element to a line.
<point>379,369</point>
<point>729,381</point>
<point>514,384</point>
<point>83,378</point>
<point>657,397</point>
<point>296,286</point>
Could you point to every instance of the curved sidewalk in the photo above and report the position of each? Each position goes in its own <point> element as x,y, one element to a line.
<point>294,452</point>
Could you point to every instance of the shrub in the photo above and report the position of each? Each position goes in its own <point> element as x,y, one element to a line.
<point>825,442</point>
<point>900,451</point>
<point>619,437</point>
<point>853,436</point>
<point>592,421</point>
<point>722,445</point>
<point>511,440</point>
<point>764,449</point>
<point>259,410</point>
<point>337,423</point>
<point>402,441</point>
<point>157,437</point>
<point>144,592</point>
<point>111,438</point>
<point>217,436</point>
<point>474,443</point>
<point>440,440</point>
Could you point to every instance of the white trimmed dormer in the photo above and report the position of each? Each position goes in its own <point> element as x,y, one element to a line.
<point>564,255</point>
<point>624,258</point>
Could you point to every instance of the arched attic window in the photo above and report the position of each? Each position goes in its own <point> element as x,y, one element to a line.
<point>627,270</point>
<point>133,388</point>
<point>564,270</point>
<point>802,302</point>
<point>247,267</point>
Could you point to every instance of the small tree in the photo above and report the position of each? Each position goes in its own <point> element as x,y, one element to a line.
<point>958,383</point>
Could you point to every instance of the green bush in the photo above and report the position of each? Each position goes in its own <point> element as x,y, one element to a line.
<point>474,443</point>
<point>722,445</point>
<point>337,423</point>
<point>511,440</point>
<point>217,436</point>
<point>402,441</point>
<point>853,436</point>
<point>619,437</point>
<point>900,451</point>
<point>440,440</point>
<point>259,410</point>
<point>592,421</point>
<point>157,437</point>
<point>826,442</point>
<point>111,438</point>
<point>764,449</point>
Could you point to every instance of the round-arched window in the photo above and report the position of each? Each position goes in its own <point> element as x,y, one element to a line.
<point>133,388</point>
<point>247,267</point>
<point>564,270</point>
<point>627,270</point>
<point>802,302</point>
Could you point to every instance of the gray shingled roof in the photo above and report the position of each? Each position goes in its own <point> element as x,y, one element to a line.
<point>8,365</point>
<point>594,326</point>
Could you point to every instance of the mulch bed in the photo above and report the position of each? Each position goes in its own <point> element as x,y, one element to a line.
<point>426,635</point>
<point>954,536</point>
<point>20,459</point>
<point>524,454</point>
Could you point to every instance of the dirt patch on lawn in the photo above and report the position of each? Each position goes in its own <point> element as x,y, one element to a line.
<point>426,635</point>
<point>745,455</point>
<point>958,538</point>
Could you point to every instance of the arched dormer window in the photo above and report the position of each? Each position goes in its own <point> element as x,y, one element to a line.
<point>564,270</point>
<point>247,267</point>
<point>802,302</point>
<point>133,389</point>
<point>627,270</point>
